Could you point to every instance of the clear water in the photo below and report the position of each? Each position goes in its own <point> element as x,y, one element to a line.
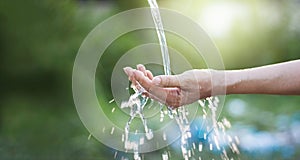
<point>180,114</point>
<point>161,35</point>
<point>212,131</point>
<point>136,103</point>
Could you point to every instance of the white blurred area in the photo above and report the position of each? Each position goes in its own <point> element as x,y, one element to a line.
<point>218,18</point>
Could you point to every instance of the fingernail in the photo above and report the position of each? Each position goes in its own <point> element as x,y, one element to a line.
<point>156,80</point>
<point>140,67</point>
<point>126,70</point>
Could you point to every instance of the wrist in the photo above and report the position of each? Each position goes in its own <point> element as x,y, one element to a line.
<point>219,82</point>
<point>231,83</point>
<point>237,82</point>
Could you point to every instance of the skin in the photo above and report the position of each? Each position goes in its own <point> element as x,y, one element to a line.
<point>192,85</point>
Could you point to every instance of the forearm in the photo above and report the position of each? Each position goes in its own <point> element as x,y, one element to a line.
<point>283,78</point>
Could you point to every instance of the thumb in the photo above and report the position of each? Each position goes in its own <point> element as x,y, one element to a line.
<point>166,81</point>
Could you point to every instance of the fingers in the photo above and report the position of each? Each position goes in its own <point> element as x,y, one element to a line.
<point>155,89</point>
<point>138,76</point>
<point>166,81</point>
<point>144,81</point>
<point>147,73</point>
<point>141,68</point>
<point>129,71</point>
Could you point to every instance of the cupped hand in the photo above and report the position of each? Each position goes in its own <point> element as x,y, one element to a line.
<point>172,90</point>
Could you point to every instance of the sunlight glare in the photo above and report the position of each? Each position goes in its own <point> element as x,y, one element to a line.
<point>218,18</point>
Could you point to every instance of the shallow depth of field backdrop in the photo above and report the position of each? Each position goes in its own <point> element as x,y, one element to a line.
<point>39,40</point>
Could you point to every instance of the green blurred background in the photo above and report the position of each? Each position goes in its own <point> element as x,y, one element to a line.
<point>39,40</point>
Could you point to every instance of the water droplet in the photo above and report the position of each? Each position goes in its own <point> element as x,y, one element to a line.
<point>111,101</point>
<point>142,140</point>
<point>112,130</point>
<point>202,103</point>
<point>161,119</point>
<point>165,156</point>
<point>216,142</point>
<point>226,123</point>
<point>164,136</point>
<point>237,140</point>
<point>200,147</point>
<point>235,148</point>
<point>229,139</point>
<point>186,157</point>
<point>122,137</point>
<point>149,134</point>
<point>115,156</point>
<point>136,156</point>
<point>89,137</point>
<point>204,112</point>
<point>204,136</point>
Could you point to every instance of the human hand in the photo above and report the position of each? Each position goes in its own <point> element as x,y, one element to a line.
<point>172,90</point>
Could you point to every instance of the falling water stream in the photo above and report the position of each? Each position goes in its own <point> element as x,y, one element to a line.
<point>214,131</point>
<point>161,36</point>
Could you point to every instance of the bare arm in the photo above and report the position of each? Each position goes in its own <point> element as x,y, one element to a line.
<point>185,88</point>
<point>282,78</point>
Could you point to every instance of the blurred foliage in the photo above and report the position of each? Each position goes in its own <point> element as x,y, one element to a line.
<point>39,40</point>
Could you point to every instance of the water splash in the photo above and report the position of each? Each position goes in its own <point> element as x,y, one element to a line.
<point>165,156</point>
<point>180,114</point>
<point>136,103</point>
<point>215,132</point>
